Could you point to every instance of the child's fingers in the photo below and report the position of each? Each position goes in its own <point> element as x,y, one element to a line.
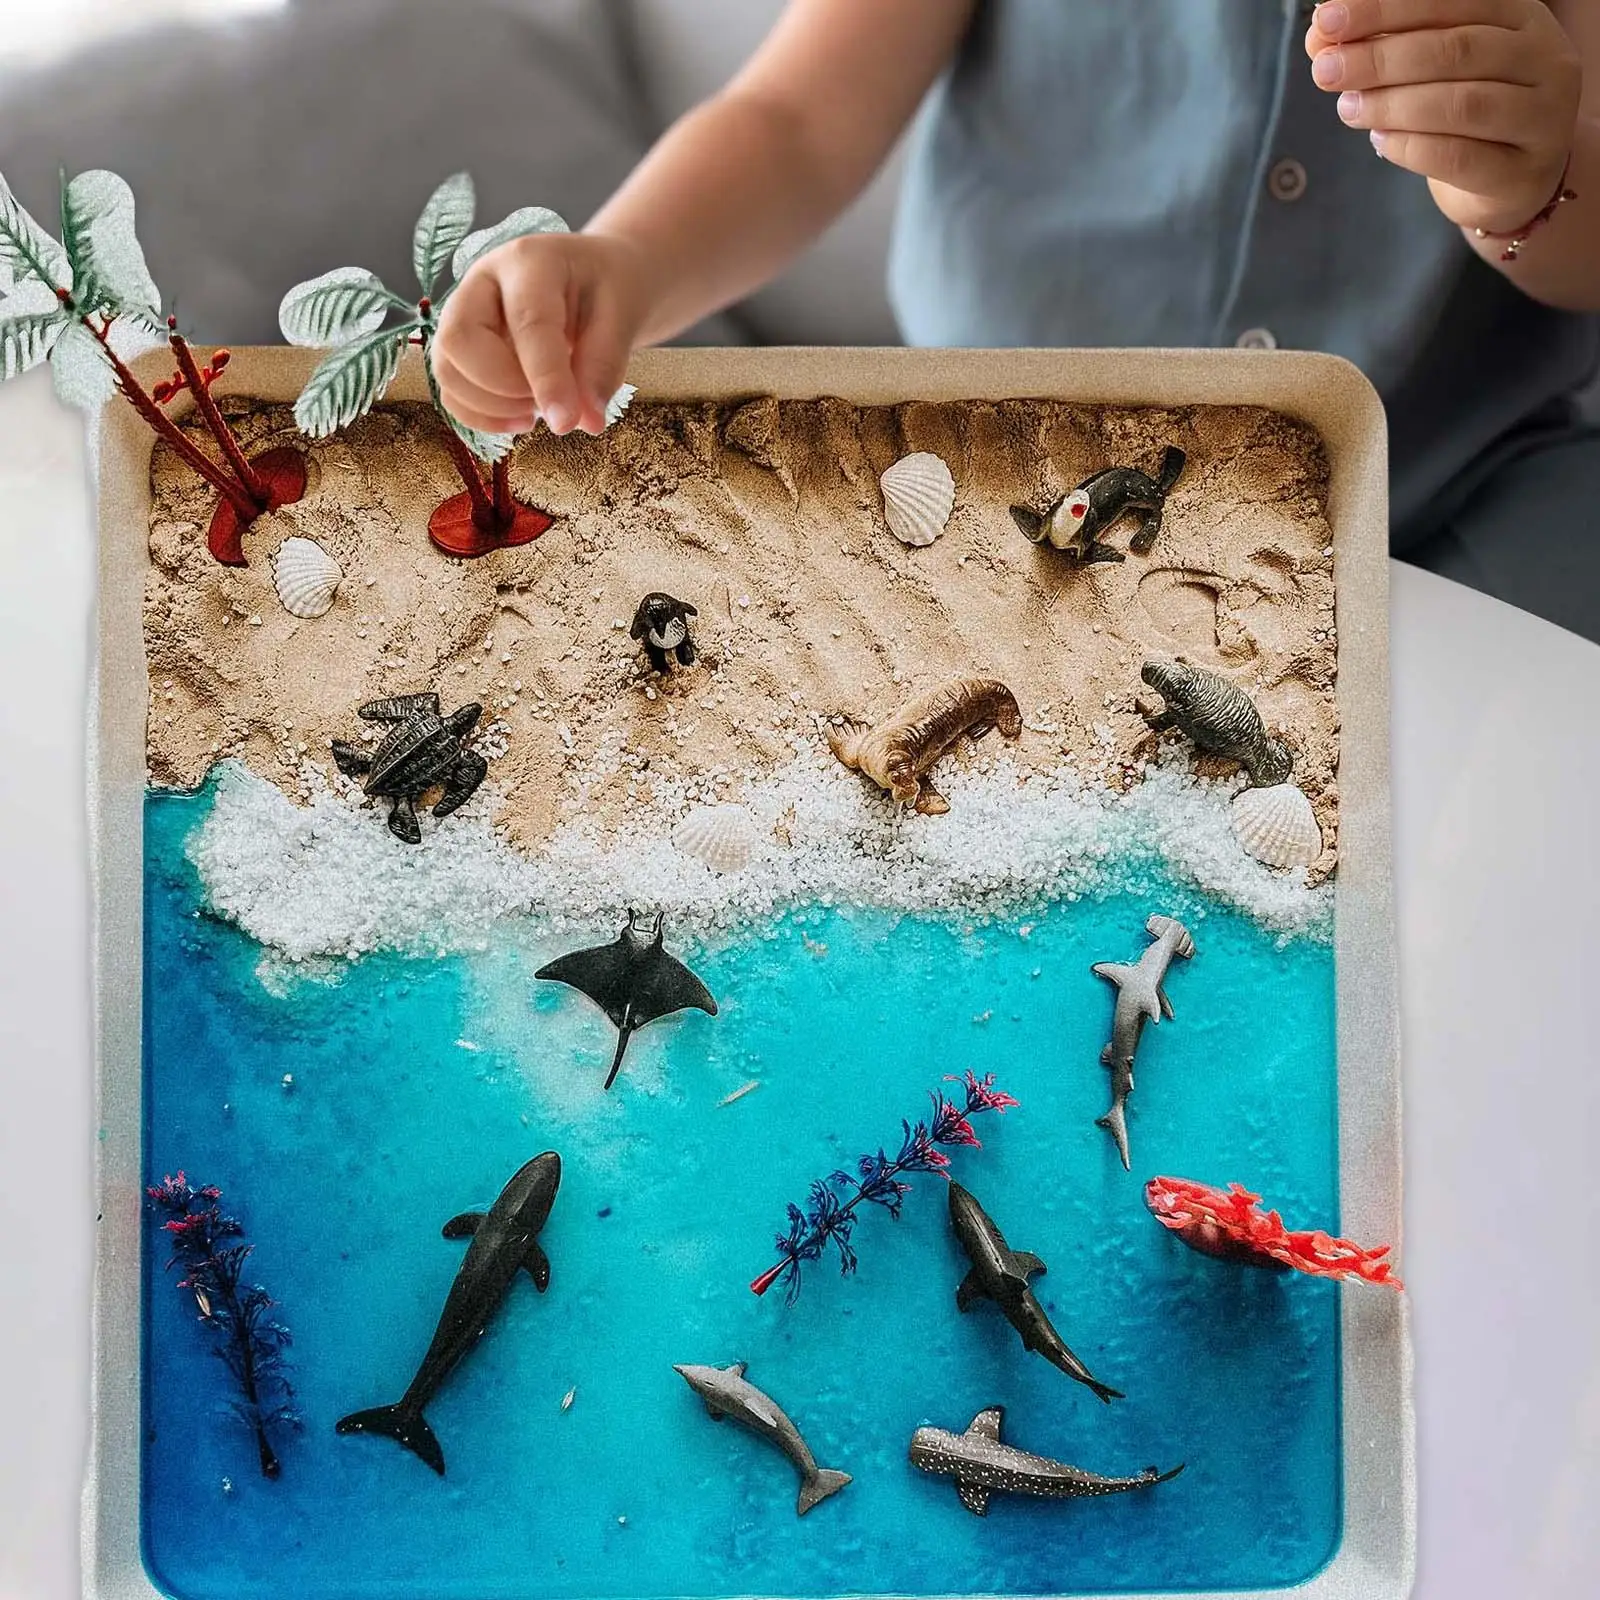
<point>533,302</point>
<point>1433,55</point>
<point>1472,165</point>
<point>472,338</point>
<point>476,407</point>
<point>601,359</point>
<point>1499,113</point>
<point>1362,19</point>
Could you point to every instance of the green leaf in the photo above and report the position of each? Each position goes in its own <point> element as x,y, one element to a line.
<point>619,402</point>
<point>26,250</point>
<point>531,219</point>
<point>347,303</point>
<point>490,447</point>
<point>349,382</point>
<point>82,373</point>
<point>445,222</point>
<point>26,338</point>
<point>103,250</point>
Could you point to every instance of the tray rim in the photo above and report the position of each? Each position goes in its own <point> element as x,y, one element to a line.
<point>1375,1559</point>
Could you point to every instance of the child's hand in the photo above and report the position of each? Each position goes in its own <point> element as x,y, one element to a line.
<point>1479,96</point>
<point>541,327</point>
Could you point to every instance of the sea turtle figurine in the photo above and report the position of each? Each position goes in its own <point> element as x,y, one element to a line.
<point>421,751</point>
<point>1073,525</point>
<point>1219,716</point>
<point>661,624</point>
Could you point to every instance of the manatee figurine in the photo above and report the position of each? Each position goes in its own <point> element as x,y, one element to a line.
<point>1219,716</point>
<point>661,624</point>
<point>1073,525</point>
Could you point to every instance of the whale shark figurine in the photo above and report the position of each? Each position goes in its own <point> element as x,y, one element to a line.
<point>983,1464</point>
<point>1140,999</point>
<point>1001,1274</point>
<point>728,1393</point>
<point>505,1240</point>
<point>634,980</point>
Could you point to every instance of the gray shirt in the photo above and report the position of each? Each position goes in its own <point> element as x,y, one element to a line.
<point>1164,172</point>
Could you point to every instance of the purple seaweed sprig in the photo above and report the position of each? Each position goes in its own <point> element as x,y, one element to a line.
<point>829,1216</point>
<point>208,1244</point>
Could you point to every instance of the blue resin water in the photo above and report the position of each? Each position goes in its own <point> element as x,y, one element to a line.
<point>419,1086</point>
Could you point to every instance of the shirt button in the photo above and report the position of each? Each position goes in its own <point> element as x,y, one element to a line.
<point>1257,339</point>
<point>1286,181</point>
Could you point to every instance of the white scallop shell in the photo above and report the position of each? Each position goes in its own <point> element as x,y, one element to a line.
<point>305,576</point>
<point>919,494</point>
<point>1275,825</point>
<point>721,836</point>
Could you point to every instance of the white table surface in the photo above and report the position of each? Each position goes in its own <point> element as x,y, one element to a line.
<point>1497,798</point>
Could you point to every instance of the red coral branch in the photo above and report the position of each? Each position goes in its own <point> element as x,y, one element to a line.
<point>1229,1224</point>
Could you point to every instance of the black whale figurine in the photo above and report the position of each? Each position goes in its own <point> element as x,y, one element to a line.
<point>1001,1274</point>
<point>505,1241</point>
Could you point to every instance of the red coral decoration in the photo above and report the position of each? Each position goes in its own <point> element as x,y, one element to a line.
<point>1228,1224</point>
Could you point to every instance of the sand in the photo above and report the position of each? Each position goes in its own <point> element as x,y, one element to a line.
<point>768,518</point>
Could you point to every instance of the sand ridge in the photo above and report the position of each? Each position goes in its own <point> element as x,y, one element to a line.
<point>768,518</point>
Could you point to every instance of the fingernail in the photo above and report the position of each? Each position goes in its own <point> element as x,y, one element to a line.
<point>1350,105</point>
<point>558,419</point>
<point>1328,68</point>
<point>1379,139</point>
<point>1332,18</point>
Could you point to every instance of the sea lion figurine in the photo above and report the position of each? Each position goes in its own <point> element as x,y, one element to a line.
<point>661,624</point>
<point>1219,717</point>
<point>1073,525</point>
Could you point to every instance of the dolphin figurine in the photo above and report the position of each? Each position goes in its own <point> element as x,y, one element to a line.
<point>1001,1274</point>
<point>1140,998</point>
<point>634,980</point>
<point>504,1241</point>
<point>728,1393</point>
<point>983,1464</point>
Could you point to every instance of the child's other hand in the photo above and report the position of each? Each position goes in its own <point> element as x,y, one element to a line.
<point>1479,96</point>
<point>540,327</point>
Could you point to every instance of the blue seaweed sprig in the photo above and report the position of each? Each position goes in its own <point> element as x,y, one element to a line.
<point>208,1244</point>
<point>829,1217</point>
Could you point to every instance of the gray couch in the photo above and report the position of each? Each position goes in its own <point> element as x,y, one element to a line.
<point>271,148</point>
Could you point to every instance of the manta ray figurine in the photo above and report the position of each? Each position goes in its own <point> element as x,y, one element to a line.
<point>983,1464</point>
<point>505,1241</point>
<point>1141,998</point>
<point>634,980</point>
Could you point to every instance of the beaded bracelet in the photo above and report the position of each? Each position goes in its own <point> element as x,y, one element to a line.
<point>1520,236</point>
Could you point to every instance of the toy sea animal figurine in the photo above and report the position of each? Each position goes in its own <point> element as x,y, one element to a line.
<point>878,1180</point>
<point>422,750</point>
<point>1219,717</point>
<point>505,1241</point>
<point>1230,1225</point>
<point>729,1394</point>
<point>898,752</point>
<point>634,980</point>
<point>1001,1274</point>
<point>1073,525</point>
<point>661,624</point>
<point>919,494</point>
<point>983,1464</point>
<point>305,576</point>
<point>1141,998</point>
<point>206,1243</point>
<point>1277,826</point>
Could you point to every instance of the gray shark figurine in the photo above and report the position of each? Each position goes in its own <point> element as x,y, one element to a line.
<point>1001,1274</point>
<point>983,1465</point>
<point>728,1393</point>
<point>505,1240</point>
<point>1140,998</point>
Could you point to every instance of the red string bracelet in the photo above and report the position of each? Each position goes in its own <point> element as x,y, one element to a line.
<point>1520,236</point>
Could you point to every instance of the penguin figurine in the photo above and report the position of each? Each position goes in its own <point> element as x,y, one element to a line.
<point>662,624</point>
<point>1074,524</point>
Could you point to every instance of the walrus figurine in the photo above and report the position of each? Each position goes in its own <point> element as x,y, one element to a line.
<point>897,753</point>
<point>1219,716</point>
<point>1073,525</point>
<point>661,624</point>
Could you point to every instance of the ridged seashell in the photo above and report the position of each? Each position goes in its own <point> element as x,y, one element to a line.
<point>1276,825</point>
<point>919,494</point>
<point>721,836</point>
<point>305,576</point>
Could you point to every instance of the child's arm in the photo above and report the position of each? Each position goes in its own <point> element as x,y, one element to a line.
<point>732,192</point>
<point>1490,100</point>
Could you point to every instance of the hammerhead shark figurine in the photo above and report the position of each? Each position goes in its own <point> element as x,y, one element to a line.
<point>634,980</point>
<point>1140,998</point>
